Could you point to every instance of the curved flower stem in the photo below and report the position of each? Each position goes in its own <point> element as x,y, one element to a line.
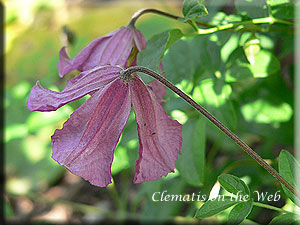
<point>127,73</point>
<point>143,11</point>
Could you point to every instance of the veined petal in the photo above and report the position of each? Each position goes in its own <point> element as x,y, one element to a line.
<point>43,99</point>
<point>113,49</point>
<point>159,136</point>
<point>85,145</point>
<point>157,87</point>
<point>139,39</point>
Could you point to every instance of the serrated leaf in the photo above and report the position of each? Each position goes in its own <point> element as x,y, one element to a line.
<point>286,219</point>
<point>193,9</point>
<point>233,184</point>
<point>288,167</point>
<point>212,207</point>
<point>252,8</point>
<point>240,211</point>
<point>192,159</point>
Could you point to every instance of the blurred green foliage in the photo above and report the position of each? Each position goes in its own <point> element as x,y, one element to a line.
<point>242,77</point>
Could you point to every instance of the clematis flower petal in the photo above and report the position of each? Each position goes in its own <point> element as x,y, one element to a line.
<point>159,136</point>
<point>85,145</point>
<point>157,87</point>
<point>43,99</point>
<point>139,39</point>
<point>113,49</point>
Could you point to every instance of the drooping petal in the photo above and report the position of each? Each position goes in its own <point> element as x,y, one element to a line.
<point>159,136</point>
<point>43,99</point>
<point>86,143</point>
<point>113,49</point>
<point>139,39</point>
<point>157,87</point>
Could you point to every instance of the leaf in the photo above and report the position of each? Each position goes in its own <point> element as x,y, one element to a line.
<point>212,207</point>
<point>263,64</point>
<point>252,48</point>
<point>193,9</point>
<point>240,211</point>
<point>262,111</point>
<point>121,160</point>
<point>283,9</point>
<point>151,56</point>
<point>233,184</point>
<point>191,162</point>
<point>178,62</point>
<point>286,219</point>
<point>288,167</point>
<point>252,8</point>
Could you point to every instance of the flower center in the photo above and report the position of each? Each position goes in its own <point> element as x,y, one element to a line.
<point>126,75</point>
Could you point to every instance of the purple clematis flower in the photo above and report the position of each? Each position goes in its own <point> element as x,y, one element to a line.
<point>112,49</point>
<point>85,145</point>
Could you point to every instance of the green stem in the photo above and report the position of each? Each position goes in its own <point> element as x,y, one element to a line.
<point>262,205</point>
<point>269,20</point>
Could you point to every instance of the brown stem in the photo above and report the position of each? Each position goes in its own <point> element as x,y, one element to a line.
<point>126,74</point>
<point>143,11</point>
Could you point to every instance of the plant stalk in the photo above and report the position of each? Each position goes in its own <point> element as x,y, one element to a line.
<point>143,11</point>
<point>269,20</point>
<point>127,73</point>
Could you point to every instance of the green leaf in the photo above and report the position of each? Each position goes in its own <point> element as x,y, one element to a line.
<point>121,160</point>
<point>8,211</point>
<point>252,8</point>
<point>240,211</point>
<point>212,207</point>
<point>263,64</point>
<point>193,9</point>
<point>178,62</point>
<point>262,111</point>
<point>233,184</point>
<point>288,167</point>
<point>277,2</point>
<point>191,162</point>
<point>252,48</point>
<point>151,56</point>
<point>282,9</point>
<point>286,219</point>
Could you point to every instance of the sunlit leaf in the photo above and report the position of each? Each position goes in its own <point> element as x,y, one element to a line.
<point>120,161</point>
<point>206,94</point>
<point>262,111</point>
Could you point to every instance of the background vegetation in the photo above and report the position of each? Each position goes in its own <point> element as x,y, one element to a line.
<point>242,76</point>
